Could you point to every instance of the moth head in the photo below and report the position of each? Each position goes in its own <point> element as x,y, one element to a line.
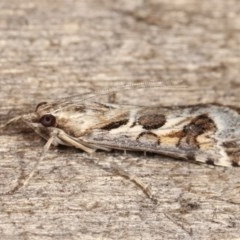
<point>52,117</point>
<point>45,117</point>
<point>41,120</point>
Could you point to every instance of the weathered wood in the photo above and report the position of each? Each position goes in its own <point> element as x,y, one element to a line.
<point>54,49</point>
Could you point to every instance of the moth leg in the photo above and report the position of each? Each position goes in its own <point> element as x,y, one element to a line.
<point>24,182</point>
<point>114,168</point>
<point>72,142</point>
<point>145,188</point>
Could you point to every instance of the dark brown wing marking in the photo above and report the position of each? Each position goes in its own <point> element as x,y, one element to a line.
<point>152,121</point>
<point>232,149</point>
<point>199,125</point>
<point>113,125</point>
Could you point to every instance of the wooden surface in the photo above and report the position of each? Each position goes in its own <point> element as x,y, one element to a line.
<point>54,49</point>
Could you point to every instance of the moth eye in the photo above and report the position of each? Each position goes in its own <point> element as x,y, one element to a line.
<point>48,120</point>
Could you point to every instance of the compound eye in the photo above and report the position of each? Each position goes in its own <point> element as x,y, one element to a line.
<point>48,120</point>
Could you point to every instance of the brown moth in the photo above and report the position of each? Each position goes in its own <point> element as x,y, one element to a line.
<point>206,133</point>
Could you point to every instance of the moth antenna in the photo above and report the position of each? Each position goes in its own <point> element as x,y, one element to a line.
<point>110,91</point>
<point>151,84</point>
<point>116,89</point>
<point>31,174</point>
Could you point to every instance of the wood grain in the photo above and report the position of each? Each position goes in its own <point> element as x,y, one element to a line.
<point>54,49</point>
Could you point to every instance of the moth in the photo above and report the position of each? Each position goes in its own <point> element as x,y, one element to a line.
<point>204,133</point>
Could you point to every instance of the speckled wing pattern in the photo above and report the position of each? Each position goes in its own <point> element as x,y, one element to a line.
<point>206,133</point>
